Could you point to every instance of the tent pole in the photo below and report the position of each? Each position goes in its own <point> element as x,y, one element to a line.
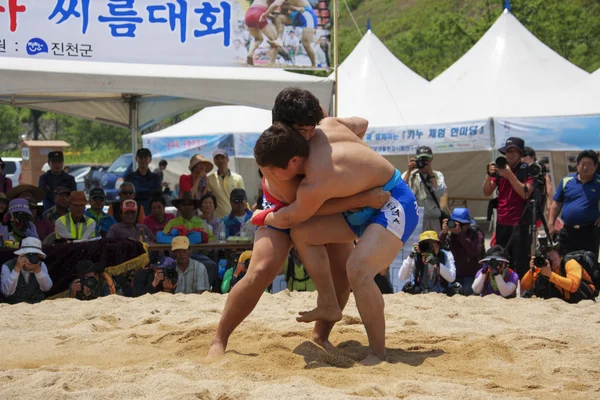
<point>335,54</point>
<point>133,125</point>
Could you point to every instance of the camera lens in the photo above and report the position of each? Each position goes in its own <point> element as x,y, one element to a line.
<point>534,169</point>
<point>501,162</point>
<point>451,224</point>
<point>539,261</point>
<point>493,263</point>
<point>90,282</point>
<point>421,163</point>
<point>172,275</point>
<point>33,258</point>
<point>424,247</point>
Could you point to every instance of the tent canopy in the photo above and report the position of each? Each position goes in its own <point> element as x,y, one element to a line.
<point>508,72</point>
<point>218,120</point>
<point>106,91</point>
<point>374,84</point>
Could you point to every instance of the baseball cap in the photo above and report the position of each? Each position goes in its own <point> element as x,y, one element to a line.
<point>129,205</point>
<point>61,190</point>
<point>19,205</point>
<point>56,156</point>
<point>219,152</point>
<point>163,262</point>
<point>424,152</point>
<point>429,235</point>
<point>97,192</point>
<point>180,243</point>
<point>515,142</point>
<point>496,252</point>
<point>143,152</point>
<point>238,195</point>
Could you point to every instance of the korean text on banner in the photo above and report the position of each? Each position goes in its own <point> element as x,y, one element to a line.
<point>186,147</point>
<point>180,32</point>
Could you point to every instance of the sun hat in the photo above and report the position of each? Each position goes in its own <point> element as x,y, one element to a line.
<point>30,245</point>
<point>197,159</point>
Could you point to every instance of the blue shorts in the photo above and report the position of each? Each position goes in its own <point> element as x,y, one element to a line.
<point>267,206</point>
<point>398,215</point>
<point>305,19</point>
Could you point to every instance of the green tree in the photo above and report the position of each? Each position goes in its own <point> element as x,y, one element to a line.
<point>10,128</point>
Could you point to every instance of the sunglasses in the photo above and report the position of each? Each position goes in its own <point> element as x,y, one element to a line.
<point>98,198</point>
<point>127,193</point>
<point>238,201</point>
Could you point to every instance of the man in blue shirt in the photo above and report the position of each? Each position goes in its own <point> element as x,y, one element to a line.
<point>55,178</point>
<point>578,196</point>
<point>96,212</point>
<point>146,183</point>
<point>235,221</point>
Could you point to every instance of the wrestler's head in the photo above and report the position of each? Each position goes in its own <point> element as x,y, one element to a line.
<point>299,109</point>
<point>282,151</point>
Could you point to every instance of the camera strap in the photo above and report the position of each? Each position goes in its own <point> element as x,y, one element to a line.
<point>437,203</point>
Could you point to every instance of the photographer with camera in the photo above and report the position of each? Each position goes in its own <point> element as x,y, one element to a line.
<point>552,276</point>
<point>495,277</point>
<point>91,282</point>
<point>578,196</point>
<point>25,278</point>
<point>430,268</point>
<point>428,187</point>
<point>510,177</point>
<point>530,158</point>
<point>466,241</point>
<point>160,276</point>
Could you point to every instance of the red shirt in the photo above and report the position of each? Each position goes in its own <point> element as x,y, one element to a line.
<point>510,204</point>
<point>186,182</point>
<point>153,224</point>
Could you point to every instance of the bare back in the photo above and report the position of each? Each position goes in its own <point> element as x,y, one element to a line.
<point>342,164</point>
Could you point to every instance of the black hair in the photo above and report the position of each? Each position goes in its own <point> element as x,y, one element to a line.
<point>163,162</point>
<point>160,199</point>
<point>529,152</point>
<point>278,145</point>
<point>297,106</point>
<point>588,154</point>
<point>209,196</point>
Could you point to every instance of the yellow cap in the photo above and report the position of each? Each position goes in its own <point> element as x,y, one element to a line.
<point>180,243</point>
<point>429,235</point>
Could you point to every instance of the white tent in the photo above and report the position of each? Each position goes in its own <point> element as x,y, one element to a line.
<point>374,84</point>
<point>508,72</point>
<point>139,95</point>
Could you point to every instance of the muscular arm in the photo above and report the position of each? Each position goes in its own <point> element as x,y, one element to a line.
<point>309,198</point>
<point>274,6</point>
<point>359,200</point>
<point>355,124</point>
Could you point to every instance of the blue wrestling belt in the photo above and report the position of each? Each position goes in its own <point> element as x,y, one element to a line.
<point>361,217</point>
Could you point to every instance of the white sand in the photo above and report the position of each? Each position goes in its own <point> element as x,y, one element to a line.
<point>153,348</point>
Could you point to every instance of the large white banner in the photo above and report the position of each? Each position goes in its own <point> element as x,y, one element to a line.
<point>182,32</point>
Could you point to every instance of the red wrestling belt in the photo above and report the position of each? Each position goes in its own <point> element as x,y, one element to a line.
<point>277,204</point>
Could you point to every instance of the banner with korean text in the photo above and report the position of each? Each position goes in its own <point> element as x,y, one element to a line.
<point>186,147</point>
<point>178,32</point>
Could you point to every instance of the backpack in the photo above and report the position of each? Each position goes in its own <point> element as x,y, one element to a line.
<point>297,277</point>
<point>587,260</point>
<point>236,271</point>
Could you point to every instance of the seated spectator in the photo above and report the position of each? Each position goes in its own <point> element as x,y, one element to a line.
<point>16,224</point>
<point>3,205</point>
<point>235,222</point>
<point>186,206</point>
<point>160,276</point>
<point>129,229</point>
<point>91,282</point>
<point>43,227</point>
<point>495,277</point>
<point>25,278</point>
<point>158,219</point>
<point>196,182</point>
<point>24,191</point>
<point>193,277</point>
<point>75,225</point>
<point>557,279</point>
<point>208,205</point>
<point>466,241</point>
<point>429,268</point>
<point>96,212</point>
<point>5,183</point>
<point>62,201</point>
<point>126,192</point>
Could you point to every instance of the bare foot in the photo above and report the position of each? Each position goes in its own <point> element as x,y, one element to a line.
<point>250,59</point>
<point>217,349</point>
<point>323,342</point>
<point>372,359</point>
<point>321,313</point>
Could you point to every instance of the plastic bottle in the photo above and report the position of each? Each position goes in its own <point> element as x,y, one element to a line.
<point>222,233</point>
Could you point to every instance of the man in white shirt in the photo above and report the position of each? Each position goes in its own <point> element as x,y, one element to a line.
<point>26,279</point>
<point>193,277</point>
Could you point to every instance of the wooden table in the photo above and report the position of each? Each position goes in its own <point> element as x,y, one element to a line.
<point>204,246</point>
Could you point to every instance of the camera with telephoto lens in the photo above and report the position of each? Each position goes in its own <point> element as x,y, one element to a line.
<point>90,282</point>
<point>540,257</point>
<point>451,224</point>
<point>425,247</point>
<point>33,258</point>
<point>500,163</point>
<point>536,169</point>
<point>421,163</point>
<point>172,275</point>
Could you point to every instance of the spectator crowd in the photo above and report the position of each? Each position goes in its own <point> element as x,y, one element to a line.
<point>450,256</point>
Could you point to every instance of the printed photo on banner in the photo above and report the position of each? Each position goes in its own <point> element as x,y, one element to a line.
<point>263,33</point>
<point>284,33</point>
